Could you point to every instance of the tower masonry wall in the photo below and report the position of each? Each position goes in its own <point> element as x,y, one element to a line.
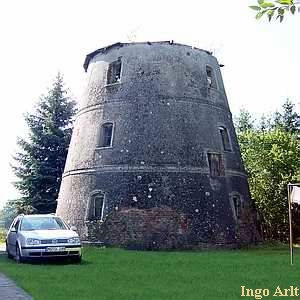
<point>167,120</point>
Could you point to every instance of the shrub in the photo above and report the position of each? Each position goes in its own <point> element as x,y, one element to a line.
<point>2,235</point>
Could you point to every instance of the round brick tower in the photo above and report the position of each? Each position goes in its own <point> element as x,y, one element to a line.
<point>154,132</point>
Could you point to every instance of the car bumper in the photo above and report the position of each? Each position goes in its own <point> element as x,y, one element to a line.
<point>51,251</point>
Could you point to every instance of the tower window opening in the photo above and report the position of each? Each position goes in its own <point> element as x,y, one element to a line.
<point>97,206</point>
<point>237,205</point>
<point>106,135</point>
<point>216,165</point>
<point>210,77</point>
<point>114,72</point>
<point>225,138</point>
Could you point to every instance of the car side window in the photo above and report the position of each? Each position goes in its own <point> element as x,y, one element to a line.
<point>12,225</point>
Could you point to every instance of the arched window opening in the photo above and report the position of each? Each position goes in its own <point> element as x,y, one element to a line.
<point>97,203</point>
<point>236,205</point>
<point>225,138</point>
<point>106,135</point>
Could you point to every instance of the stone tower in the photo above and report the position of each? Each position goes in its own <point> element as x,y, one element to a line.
<point>154,146</point>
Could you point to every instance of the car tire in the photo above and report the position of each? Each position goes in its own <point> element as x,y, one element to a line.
<point>8,253</point>
<point>19,258</point>
<point>76,259</point>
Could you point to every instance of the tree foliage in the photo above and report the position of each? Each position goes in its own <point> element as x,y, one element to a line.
<point>8,213</point>
<point>271,157</point>
<point>275,9</point>
<point>40,162</point>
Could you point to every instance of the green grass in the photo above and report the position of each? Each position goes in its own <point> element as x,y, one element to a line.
<point>119,274</point>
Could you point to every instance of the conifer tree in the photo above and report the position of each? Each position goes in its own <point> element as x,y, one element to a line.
<point>288,119</point>
<point>40,162</point>
<point>244,121</point>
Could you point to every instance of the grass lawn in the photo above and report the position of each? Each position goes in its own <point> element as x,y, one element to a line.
<point>121,274</point>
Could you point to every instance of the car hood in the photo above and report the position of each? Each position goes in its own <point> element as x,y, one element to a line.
<point>49,234</point>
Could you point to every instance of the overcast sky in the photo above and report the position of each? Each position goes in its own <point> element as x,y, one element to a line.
<point>40,38</point>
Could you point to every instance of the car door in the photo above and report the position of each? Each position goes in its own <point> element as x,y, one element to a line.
<point>12,236</point>
<point>9,236</point>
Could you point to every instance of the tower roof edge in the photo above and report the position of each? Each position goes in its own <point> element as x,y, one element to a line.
<point>91,55</point>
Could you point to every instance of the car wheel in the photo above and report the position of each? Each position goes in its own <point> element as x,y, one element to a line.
<point>19,258</point>
<point>76,259</point>
<point>8,253</point>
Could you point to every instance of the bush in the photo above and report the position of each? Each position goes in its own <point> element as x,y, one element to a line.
<point>2,235</point>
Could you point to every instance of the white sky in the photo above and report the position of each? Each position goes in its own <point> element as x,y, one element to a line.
<point>40,38</point>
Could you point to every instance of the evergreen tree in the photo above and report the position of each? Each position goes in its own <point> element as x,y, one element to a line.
<point>244,121</point>
<point>40,163</point>
<point>287,119</point>
<point>264,124</point>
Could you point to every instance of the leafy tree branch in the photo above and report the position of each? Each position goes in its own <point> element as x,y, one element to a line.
<point>275,9</point>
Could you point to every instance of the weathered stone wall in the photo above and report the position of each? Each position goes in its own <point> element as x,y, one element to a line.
<point>246,221</point>
<point>143,229</point>
<point>163,228</point>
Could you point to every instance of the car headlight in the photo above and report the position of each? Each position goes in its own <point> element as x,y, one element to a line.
<point>74,240</point>
<point>31,241</point>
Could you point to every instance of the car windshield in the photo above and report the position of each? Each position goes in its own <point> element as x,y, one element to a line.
<point>42,223</point>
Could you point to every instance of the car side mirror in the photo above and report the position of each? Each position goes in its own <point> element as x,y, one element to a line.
<point>13,230</point>
<point>74,228</point>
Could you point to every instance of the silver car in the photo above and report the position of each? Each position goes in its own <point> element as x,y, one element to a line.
<point>42,236</point>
